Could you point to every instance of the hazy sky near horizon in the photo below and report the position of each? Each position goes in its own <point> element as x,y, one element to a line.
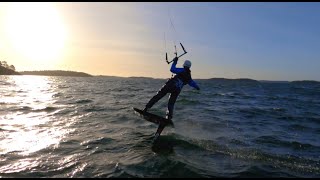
<point>257,40</point>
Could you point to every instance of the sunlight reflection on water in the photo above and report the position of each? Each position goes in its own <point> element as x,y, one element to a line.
<point>28,130</point>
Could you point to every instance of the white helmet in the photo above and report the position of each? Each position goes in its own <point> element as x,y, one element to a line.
<point>187,63</point>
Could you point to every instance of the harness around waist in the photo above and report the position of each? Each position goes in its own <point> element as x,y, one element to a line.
<point>185,77</point>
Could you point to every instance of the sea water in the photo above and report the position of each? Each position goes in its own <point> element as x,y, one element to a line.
<point>53,126</point>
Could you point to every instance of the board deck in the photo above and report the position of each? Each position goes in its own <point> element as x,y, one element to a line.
<point>153,117</point>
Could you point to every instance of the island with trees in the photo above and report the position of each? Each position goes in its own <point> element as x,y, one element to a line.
<point>6,69</point>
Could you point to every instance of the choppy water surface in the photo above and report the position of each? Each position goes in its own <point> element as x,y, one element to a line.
<point>85,127</point>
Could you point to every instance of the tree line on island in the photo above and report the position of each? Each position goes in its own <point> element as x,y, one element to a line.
<point>55,73</point>
<point>6,69</point>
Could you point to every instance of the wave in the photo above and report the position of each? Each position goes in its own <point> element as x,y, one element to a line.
<point>58,94</point>
<point>92,143</point>
<point>46,109</point>
<point>188,101</point>
<point>298,127</point>
<point>83,101</point>
<point>274,141</point>
<point>4,83</point>
<point>298,164</point>
<point>94,108</point>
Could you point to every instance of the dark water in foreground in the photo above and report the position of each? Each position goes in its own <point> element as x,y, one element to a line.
<point>85,127</point>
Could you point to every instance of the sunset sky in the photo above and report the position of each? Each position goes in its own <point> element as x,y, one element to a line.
<point>257,40</point>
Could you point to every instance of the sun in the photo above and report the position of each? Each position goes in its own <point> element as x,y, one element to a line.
<point>36,30</point>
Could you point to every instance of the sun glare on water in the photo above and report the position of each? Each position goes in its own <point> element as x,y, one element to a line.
<point>36,30</point>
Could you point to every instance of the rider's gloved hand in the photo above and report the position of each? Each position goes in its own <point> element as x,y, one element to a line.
<point>175,59</point>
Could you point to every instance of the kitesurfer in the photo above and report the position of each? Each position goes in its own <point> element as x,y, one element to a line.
<point>174,86</point>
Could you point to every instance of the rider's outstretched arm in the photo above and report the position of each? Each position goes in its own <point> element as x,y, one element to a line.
<point>192,83</point>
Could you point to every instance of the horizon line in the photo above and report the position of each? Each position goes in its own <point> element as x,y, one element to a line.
<point>240,78</point>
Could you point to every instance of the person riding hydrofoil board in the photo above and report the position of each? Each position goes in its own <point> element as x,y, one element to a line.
<point>173,86</point>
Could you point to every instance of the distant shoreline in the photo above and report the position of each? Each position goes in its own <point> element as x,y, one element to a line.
<point>56,73</point>
<point>217,79</point>
<point>82,74</point>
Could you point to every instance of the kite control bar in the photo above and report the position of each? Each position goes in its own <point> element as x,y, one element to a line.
<point>185,52</point>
